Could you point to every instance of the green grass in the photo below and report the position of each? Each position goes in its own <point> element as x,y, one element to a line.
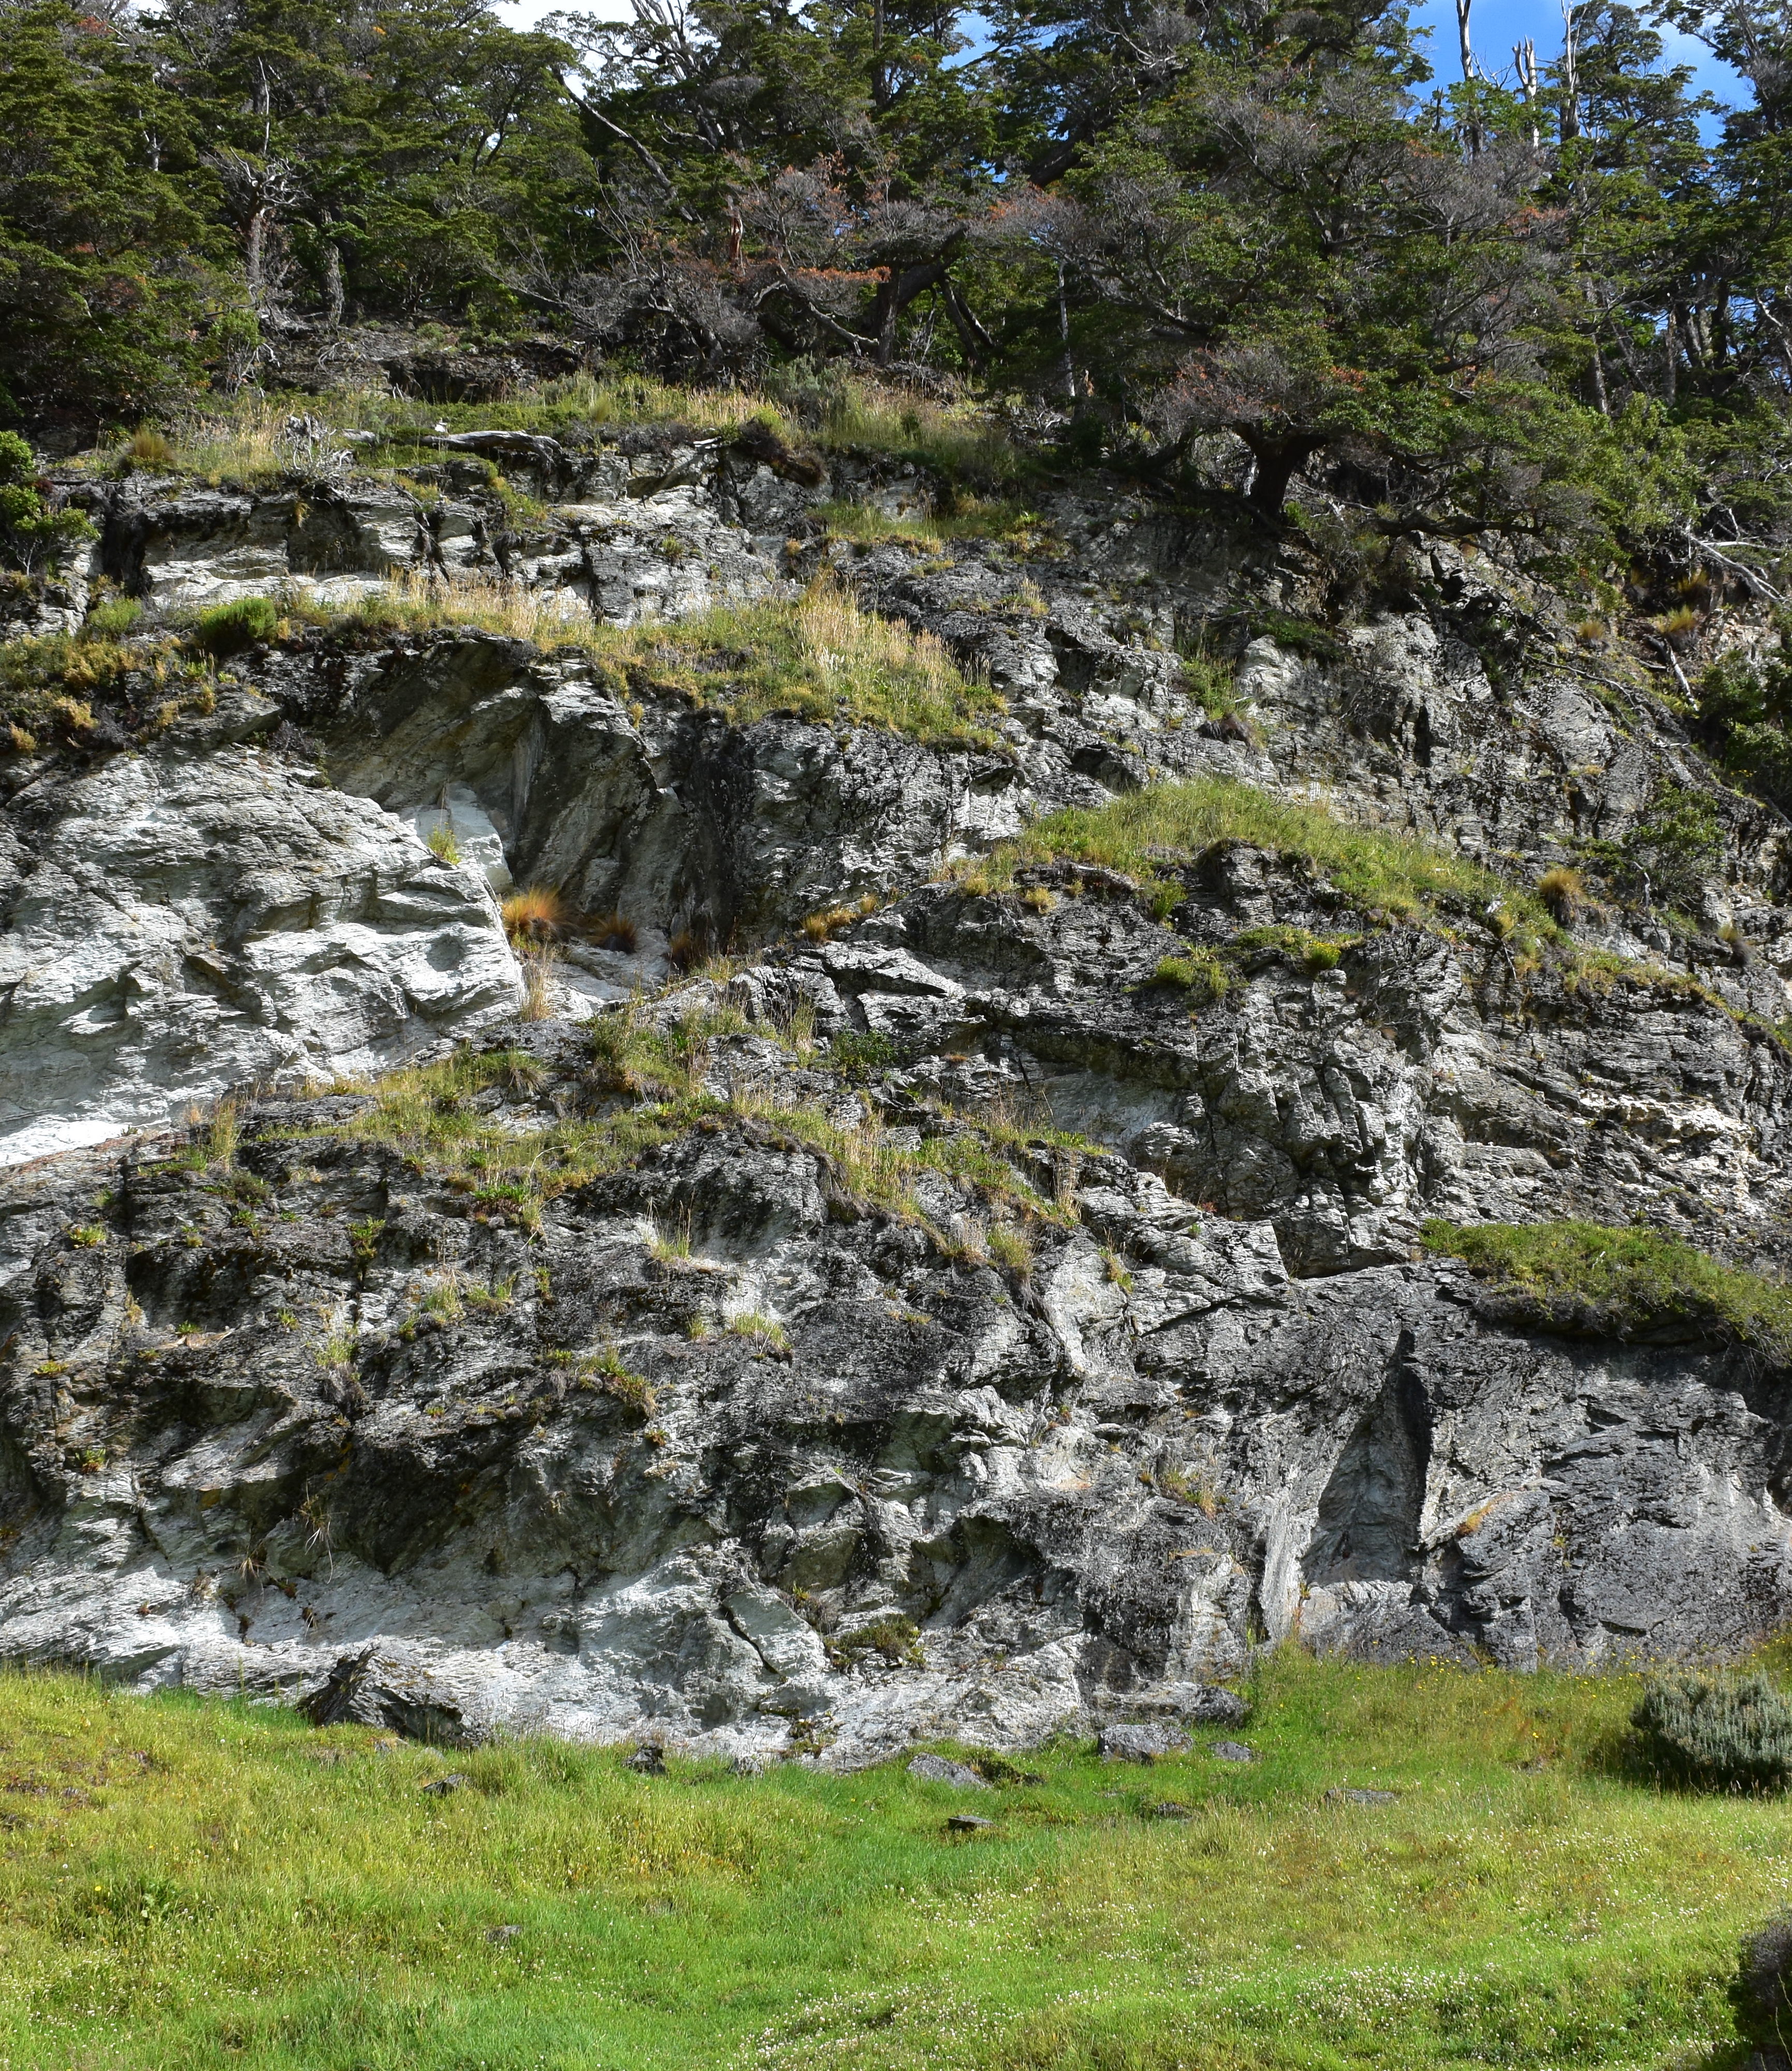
<point>817,657</point>
<point>198,1884</point>
<point>1631,1282</point>
<point>1397,875</point>
<point>974,518</point>
<point>426,1113</point>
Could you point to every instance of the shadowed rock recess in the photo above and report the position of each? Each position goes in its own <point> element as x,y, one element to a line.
<point>993,1307</point>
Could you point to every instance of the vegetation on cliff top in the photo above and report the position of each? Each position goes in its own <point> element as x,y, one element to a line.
<point>1626,1283</point>
<point>1548,312</point>
<point>209,1883</point>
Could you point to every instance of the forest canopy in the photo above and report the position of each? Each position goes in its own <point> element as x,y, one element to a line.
<point>1256,246</point>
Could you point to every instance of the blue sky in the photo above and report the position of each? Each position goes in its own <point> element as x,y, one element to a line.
<point>1496,25</point>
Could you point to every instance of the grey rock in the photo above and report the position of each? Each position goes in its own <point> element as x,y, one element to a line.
<point>444,1786</point>
<point>501,1934</point>
<point>967,1822</point>
<point>1346,1795</point>
<point>1208,1705</point>
<point>935,1768</point>
<point>1232,1751</point>
<point>1169,1810</point>
<point>1228,1397</point>
<point>648,1760</point>
<point>1145,1743</point>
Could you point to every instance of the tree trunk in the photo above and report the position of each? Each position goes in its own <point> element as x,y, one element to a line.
<point>1276,461</point>
<point>253,258</point>
<point>333,296</point>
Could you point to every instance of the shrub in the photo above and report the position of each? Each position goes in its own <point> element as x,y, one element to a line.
<point>859,1057</point>
<point>1760,1992</point>
<point>1669,854</point>
<point>1716,1733</point>
<point>29,528</point>
<point>227,628</point>
<point>441,842</point>
<point>611,931</point>
<point>112,619</point>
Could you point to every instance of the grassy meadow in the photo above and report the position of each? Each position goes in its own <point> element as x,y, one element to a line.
<point>189,1883</point>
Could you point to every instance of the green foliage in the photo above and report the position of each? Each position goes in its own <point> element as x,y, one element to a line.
<point>1391,874</point>
<point>858,1055</point>
<point>1517,1904</point>
<point>1631,1283</point>
<point>1203,975</point>
<point>1666,857</point>
<point>106,240</point>
<point>30,529</point>
<point>1716,1733</point>
<point>227,628</point>
<point>111,618</point>
<point>1743,708</point>
<point>1316,953</point>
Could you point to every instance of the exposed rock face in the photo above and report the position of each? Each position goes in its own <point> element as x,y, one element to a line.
<point>722,1444</point>
<point>182,923</point>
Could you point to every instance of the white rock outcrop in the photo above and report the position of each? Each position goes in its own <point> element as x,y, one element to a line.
<point>177,927</point>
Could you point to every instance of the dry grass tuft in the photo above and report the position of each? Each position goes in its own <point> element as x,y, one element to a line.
<point>1563,891</point>
<point>536,914</point>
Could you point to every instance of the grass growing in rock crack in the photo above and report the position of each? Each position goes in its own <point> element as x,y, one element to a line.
<point>206,1883</point>
<point>1396,875</point>
<point>1630,1282</point>
<point>431,1115</point>
<point>819,657</point>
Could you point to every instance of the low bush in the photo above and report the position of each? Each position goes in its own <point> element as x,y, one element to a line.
<point>858,1057</point>
<point>1202,974</point>
<point>1715,1732</point>
<point>111,618</point>
<point>227,628</point>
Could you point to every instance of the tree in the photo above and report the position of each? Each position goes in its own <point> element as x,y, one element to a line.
<point>107,259</point>
<point>1278,248</point>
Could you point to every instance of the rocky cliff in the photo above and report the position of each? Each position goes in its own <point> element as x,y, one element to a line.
<point>951,1245</point>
